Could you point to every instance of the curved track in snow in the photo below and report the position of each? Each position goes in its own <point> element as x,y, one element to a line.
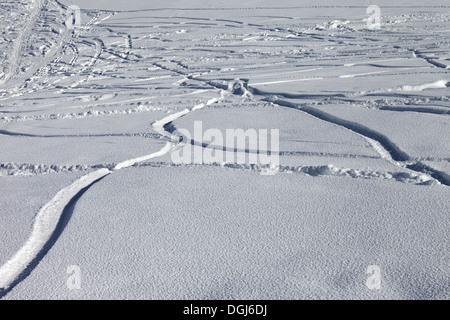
<point>53,216</point>
<point>47,227</point>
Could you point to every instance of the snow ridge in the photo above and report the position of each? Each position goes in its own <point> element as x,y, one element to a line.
<point>314,171</point>
<point>28,169</point>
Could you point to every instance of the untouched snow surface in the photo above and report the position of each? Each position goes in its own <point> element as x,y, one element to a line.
<point>92,111</point>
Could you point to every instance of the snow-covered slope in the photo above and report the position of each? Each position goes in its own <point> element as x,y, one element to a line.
<point>90,116</point>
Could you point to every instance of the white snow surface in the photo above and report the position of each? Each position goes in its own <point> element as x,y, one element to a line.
<point>89,118</point>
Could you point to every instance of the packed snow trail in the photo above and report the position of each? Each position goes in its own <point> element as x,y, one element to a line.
<point>131,162</point>
<point>49,222</point>
<point>45,224</point>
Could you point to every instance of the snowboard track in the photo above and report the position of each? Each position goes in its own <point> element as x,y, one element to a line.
<point>18,268</point>
<point>66,214</point>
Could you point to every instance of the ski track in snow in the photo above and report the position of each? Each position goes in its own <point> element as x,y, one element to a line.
<point>46,226</point>
<point>387,149</point>
<point>35,10</point>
